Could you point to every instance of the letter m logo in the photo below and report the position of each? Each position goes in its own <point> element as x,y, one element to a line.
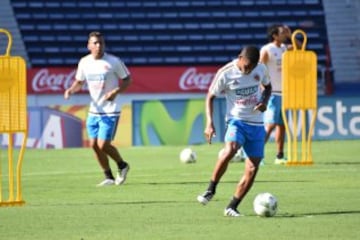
<point>168,122</point>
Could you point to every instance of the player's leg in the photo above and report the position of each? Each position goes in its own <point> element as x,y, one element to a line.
<point>223,160</point>
<point>92,126</point>
<point>106,134</point>
<point>269,128</point>
<point>269,117</point>
<point>254,146</point>
<point>243,186</point>
<point>232,144</point>
<point>280,139</point>
<point>279,133</point>
<point>220,168</point>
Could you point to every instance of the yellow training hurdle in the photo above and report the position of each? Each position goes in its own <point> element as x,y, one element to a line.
<point>13,120</point>
<point>299,100</point>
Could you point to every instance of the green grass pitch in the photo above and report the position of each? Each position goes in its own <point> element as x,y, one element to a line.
<point>158,200</point>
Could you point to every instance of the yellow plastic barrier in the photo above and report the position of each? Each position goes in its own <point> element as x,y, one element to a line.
<point>13,119</point>
<point>299,101</point>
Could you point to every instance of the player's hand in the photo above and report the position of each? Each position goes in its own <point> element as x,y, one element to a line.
<point>67,93</point>
<point>110,96</point>
<point>260,107</point>
<point>209,133</point>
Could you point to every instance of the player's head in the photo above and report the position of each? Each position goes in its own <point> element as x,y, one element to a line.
<point>276,32</point>
<point>96,44</point>
<point>248,59</point>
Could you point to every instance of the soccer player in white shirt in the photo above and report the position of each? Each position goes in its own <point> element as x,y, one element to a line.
<point>246,86</point>
<point>271,56</point>
<point>102,72</point>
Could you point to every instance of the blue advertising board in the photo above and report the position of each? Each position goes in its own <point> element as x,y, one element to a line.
<point>181,122</point>
<point>49,128</point>
<point>338,118</point>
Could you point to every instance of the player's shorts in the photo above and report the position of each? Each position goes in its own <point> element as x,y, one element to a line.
<point>273,112</point>
<point>101,127</point>
<point>250,137</point>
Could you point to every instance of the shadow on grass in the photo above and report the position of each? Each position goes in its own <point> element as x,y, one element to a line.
<point>157,202</point>
<point>313,214</point>
<point>75,204</point>
<point>341,163</point>
<point>222,182</point>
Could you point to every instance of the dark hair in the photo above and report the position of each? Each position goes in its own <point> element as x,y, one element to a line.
<point>273,29</point>
<point>95,34</point>
<point>252,53</point>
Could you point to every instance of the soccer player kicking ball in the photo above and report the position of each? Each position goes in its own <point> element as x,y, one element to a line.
<point>246,86</point>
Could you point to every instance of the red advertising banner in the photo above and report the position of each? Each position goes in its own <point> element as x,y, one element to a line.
<point>160,79</point>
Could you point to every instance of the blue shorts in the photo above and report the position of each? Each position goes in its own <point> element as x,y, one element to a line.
<point>102,127</point>
<point>273,112</point>
<point>250,137</point>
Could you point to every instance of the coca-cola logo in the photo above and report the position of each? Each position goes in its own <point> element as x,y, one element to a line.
<point>45,81</point>
<point>191,79</point>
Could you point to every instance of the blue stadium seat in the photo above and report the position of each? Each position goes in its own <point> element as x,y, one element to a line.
<point>154,32</point>
<point>36,4</point>
<point>68,4</point>
<point>23,16</point>
<point>50,5</point>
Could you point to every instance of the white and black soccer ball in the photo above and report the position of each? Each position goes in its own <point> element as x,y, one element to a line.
<point>238,157</point>
<point>265,205</point>
<point>187,155</point>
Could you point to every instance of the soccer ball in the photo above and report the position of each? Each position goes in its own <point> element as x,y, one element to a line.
<point>187,155</point>
<point>265,205</point>
<point>238,157</point>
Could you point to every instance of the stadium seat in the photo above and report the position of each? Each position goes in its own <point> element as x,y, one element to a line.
<point>160,32</point>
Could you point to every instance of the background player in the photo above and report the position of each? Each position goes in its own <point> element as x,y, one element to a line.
<point>271,56</point>
<point>101,72</point>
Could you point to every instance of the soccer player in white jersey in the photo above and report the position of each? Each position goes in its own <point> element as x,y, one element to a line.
<point>102,73</point>
<point>247,88</point>
<point>271,56</point>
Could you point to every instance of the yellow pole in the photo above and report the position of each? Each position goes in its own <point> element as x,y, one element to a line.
<point>7,33</point>
<point>11,168</point>
<point>0,177</point>
<point>19,167</point>
<point>303,136</point>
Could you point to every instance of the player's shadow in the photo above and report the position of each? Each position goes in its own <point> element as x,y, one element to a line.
<point>223,182</point>
<point>341,163</point>
<point>313,214</point>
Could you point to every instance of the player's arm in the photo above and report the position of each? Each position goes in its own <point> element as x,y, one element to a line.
<point>288,35</point>
<point>75,87</point>
<point>126,82</point>
<point>77,84</point>
<point>215,89</point>
<point>209,109</point>
<point>265,95</point>
<point>264,56</point>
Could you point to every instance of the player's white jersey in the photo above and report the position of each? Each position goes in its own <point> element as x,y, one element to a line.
<point>102,75</point>
<point>242,92</point>
<point>274,65</point>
